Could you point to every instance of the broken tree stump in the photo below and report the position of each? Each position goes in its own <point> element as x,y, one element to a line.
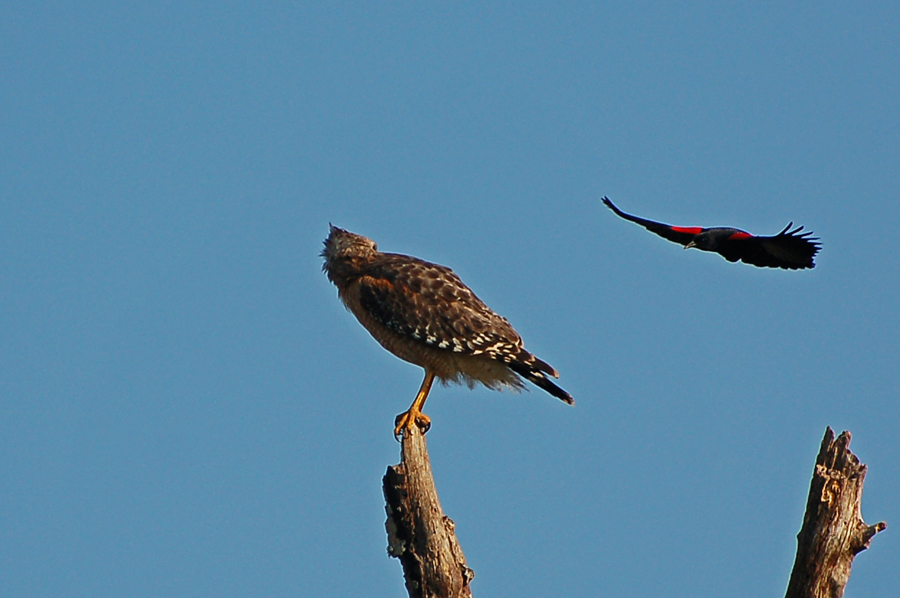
<point>419,534</point>
<point>833,530</point>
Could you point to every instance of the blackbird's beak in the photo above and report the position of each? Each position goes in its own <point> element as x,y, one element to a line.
<point>689,245</point>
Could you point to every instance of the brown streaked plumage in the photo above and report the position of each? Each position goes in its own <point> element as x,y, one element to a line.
<point>424,314</point>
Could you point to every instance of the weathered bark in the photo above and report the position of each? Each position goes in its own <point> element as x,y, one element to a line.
<point>833,531</point>
<point>419,534</point>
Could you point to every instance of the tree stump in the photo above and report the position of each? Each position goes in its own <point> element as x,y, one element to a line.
<point>833,530</point>
<point>419,534</point>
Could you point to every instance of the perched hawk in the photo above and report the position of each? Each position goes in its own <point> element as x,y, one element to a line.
<point>424,314</point>
<point>791,250</point>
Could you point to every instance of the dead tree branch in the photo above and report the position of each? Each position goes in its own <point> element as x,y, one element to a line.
<point>419,534</point>
<point>833,530</point>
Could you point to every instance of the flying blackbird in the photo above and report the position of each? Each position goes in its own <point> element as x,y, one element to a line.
<point>791,250</point>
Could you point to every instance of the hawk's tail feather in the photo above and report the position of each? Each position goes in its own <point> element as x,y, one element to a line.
<point>536,376</point>
<point>543,366</point>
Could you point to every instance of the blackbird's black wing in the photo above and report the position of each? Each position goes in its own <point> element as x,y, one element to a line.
<point>789,249</point>
<point>678,234</point>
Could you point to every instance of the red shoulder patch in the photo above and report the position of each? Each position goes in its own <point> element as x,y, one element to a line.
<point>739,236</point>
<point>691,230</point>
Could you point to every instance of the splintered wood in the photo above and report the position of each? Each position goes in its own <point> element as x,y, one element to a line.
<point>419,534</point>
<point>833,530</point>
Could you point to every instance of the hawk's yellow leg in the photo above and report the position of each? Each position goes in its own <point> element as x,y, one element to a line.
<point>414,416</point>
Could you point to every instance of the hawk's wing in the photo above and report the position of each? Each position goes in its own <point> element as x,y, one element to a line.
<point>429,303</point>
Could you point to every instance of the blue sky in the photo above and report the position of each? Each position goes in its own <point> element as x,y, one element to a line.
<point>187,410</point>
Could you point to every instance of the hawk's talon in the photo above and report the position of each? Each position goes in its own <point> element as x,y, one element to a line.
<point>407,419</point>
